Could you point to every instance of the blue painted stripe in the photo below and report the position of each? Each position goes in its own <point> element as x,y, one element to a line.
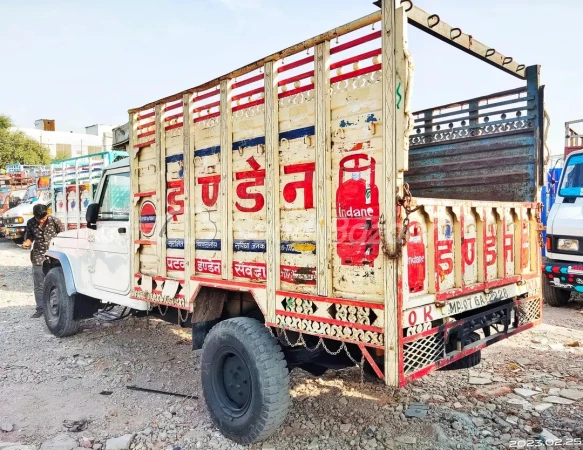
<point>244,245</point>
<point>292,247</point>
<point>249,142</point>
<point>174,158</point>
<point>297,133</point>
<point>207,244</point>
<point>564,269</point>
<point>208,151</point>
<point>175,243</point>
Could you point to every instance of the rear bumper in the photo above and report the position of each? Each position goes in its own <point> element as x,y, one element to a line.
<point>564,275</point>
<point>437,347</point>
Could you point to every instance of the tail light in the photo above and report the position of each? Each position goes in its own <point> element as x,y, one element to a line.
<point>549,243</point>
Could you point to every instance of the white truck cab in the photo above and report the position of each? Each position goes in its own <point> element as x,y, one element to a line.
<point>563,265</point>
<point>94,261</point>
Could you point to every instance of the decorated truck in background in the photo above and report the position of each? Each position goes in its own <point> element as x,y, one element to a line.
<point>296,213</point>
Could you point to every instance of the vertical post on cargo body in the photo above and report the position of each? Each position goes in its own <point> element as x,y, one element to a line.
<point>402,92</point>
<point>535,108</point>
<point>389,190</point>
<point>160,150</point>
<point>134,187</point>
<point>272,187</point>
<point>188,165</point>
<point>323,168</point>
<point>226,189</point>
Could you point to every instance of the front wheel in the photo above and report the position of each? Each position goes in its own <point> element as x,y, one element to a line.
<point>58,306</point>
<point>245,380</point>
<point>554,296</point>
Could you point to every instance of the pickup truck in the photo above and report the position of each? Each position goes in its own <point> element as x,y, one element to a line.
<point>296,214</point>
<point>14,220</point>
<point>563,263</point>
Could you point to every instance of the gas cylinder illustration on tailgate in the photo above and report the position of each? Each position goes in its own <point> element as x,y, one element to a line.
<point>357,211</point>
<point>416,255</point>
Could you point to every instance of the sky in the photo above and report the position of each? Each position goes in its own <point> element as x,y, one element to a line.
<point>83,63</point>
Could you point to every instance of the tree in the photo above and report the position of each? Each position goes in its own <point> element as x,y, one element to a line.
<point>17,147</point>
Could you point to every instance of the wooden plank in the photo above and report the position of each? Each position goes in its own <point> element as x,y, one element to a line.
<point>134,186</point>
<point>388,195</point>
<point>189,200</point>
<point>226,189</point>
<point>323,169</point>
<point>273,235</point>
<point>160,150</point>
<point>403,93</point>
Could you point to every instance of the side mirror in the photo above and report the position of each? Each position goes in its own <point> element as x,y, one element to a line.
<point>91,215</point>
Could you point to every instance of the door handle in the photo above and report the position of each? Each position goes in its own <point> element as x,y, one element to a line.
<point>121,230</point>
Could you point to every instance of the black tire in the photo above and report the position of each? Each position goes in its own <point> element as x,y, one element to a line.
<point>18,241</point>
<point>58,306</point>
<point>469,361</point>
<point>241,360</point>
<point>554,296</point>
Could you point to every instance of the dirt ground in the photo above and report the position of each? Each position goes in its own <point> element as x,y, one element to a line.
<point>526,386</point>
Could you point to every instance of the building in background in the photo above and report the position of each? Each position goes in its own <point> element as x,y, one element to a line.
<point>61,144</point>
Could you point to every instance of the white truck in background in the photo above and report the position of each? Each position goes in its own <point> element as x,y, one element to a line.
<point>563,265</point>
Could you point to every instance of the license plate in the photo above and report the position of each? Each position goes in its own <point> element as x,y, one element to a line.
<point>479,299</point>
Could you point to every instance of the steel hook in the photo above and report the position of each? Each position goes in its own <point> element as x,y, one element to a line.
<point>490,52</point>
<point>433,17</point>
<point>507,60</point>
<point>459,33</point>
<point>410,4</point>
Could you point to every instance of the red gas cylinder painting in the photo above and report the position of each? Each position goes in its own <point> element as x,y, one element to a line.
<point>148,218</point>
<point>357,212</point>
<point>524,246</point>
<point>416,258</point>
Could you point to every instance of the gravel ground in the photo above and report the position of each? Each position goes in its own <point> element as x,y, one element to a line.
<point>527,385</point>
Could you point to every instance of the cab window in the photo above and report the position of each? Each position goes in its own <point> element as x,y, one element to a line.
<point>115,197</point>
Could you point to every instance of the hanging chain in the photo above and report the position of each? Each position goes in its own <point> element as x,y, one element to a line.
<point>160,310</point>
<point>405,203</point>
<point>539,225</point>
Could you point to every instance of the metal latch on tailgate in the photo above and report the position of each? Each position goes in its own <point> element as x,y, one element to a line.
<point>405,203</point>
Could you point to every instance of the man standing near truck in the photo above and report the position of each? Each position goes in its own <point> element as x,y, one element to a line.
<point>40,230</point>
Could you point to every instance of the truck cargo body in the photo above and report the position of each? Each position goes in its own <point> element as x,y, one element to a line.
<point>285,180</point>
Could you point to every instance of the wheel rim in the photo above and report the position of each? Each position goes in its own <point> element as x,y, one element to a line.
<point>54,306</point>
<point>232,381</point>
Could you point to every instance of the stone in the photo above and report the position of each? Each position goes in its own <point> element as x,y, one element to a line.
<point>513,420</point>
<point>267,446</point>
<point>345,427</point>
<point>493,392</point>
<point>498,379</point>
<point>554,391</point>
<point>15,446</point>
<point>418,410</point>
<point>406,440</point>
<point>517,401</point>
<point>457,405</point>
<point>558,400</point>
<point>479,380</point>
<point>85,443</point>
<point>542,407</point>
<point>526,393</point>
<point>7,427</point>
<point>343,401</point>
<point>313,445</point>
<point>558,383</point>
<point>439,398</point>
<point>478,421</point>
<point>97,446</point>
<point>119,443</point>
<point>59,442</point>
<point>491,407</point>
<point>571,394</point>
<point>548,437</point>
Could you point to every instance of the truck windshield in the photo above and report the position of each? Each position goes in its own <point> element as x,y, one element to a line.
<point>572,185</point>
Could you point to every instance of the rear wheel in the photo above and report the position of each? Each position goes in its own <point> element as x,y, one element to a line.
<point>467,361</point>
<point>245,380</point>
<point>554,296</point>
<point>58,306</point>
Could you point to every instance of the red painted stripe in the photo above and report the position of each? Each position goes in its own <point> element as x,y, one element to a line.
<point>355,42</point>
<point>175,116</point>
<point>173,126</point>
<point>301,76</point>
<point>146,125</point>
<point>341,301</point>
<point>356,73</point>
<point>371,361</point>
<point>145,144</point>
<point>248,105</point>
<point>309,87</point>
<point>174,106</point>
<point>146,116</point>
<point>208,116</point>
<point>140,275</point>
<point>271,324</point>
<point>248,93</point>
<point>358,326</point>
<point>145,194</point>
<point>206,95</point>
<point>147,133</point>
<point>298,63</point>
<point>248,81</point>
<point>207,106</point>
<point>227,283</point>
<point>140,242</point>
<point>357,58</point>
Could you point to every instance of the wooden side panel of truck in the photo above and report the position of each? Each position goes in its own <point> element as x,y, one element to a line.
<point>285,180</point>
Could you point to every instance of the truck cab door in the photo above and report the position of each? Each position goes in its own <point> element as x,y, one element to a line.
<point>110,246</point>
